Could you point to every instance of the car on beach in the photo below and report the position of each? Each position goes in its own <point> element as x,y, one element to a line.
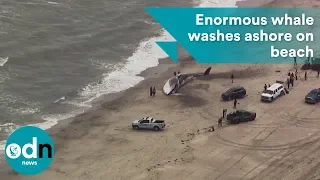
<point>274,91</point>
<point>313,97</point>
<point>240,116</point>
<point>234,93</point>
<point>148,123</point>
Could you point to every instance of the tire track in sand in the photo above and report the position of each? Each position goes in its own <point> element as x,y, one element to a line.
<point>288,160</point>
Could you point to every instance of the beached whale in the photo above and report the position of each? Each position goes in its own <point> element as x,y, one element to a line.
<point>176,82</point>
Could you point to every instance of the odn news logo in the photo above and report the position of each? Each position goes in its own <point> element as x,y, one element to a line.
<point>29,146</point>
<point>36,151</point>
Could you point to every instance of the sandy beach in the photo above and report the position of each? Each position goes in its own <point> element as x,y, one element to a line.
<point>282,143</point>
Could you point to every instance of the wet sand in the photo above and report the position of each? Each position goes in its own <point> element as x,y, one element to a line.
<point>282,143</point>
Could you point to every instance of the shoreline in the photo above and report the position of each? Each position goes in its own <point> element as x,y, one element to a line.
<point>112,97</point>
<point>165,65</point>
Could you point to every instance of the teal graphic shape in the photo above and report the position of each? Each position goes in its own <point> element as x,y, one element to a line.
<point>171,48</point>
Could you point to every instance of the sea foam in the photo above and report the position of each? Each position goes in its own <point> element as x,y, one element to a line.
<point>3,61</point>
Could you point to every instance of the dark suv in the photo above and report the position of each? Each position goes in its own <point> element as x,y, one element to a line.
<point>313,97</point>
<point>234,93</point>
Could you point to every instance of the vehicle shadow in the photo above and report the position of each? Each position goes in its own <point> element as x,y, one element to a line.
<point>148,130</point>
<point>227,100</point>
<point>267,102</point>
<point>129,128</point>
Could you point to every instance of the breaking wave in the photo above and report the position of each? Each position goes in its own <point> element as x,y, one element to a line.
<point>3,61</point>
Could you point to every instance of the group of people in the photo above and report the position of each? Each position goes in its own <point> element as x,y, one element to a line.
<point>305,73</point>
<point>152,91</point>
<point>291,78</point>
<point>265,86</point>
<point>290,81</point>
<point>224,115</point>
<point>306,77</point>
<point>176,74</point>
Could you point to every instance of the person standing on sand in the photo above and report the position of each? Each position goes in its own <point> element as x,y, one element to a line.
<point>151,91</point>
<point>220,121</point>
<point>265,87</point>
<point>235,102</point>
<point>211,129</point>
<point>232,77</point>
<point>286,91</point>
<point>305,75</point>
<point>175,73</point>
<point>224,113</point>
<point>154,91</point>
<point>288,83</point>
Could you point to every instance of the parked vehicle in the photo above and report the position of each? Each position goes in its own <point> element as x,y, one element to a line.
<point>233,93</point>
<point>241,116</point>
<point>148,123</point>
<point>273,92</point>
<point>313,97</point>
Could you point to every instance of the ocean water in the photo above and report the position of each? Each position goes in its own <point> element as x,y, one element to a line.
<point>57,56</point>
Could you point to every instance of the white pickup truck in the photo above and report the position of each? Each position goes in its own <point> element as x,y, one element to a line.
<point>148,123</point>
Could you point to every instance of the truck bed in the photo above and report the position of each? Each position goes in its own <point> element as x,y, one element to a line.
<point>158,121</point>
